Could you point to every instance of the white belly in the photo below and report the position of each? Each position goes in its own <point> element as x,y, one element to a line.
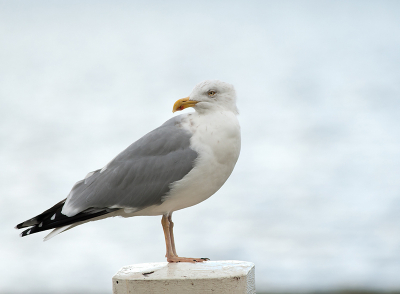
<point>216,138</point>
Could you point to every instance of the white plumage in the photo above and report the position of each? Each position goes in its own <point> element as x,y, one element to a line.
<point>216,138</point>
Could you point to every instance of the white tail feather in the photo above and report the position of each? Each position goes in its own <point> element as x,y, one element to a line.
<point>56,232</point>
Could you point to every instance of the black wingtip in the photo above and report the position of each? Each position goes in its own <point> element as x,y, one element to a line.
<point>25,233</point>
<point>19,226</point>
<point>28,223</point>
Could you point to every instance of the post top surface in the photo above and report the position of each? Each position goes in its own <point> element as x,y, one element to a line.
<point>184,270</point>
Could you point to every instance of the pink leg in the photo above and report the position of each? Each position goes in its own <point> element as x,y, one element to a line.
<point>171,255</point>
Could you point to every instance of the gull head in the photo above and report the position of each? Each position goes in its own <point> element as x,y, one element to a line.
<point>209,95</point>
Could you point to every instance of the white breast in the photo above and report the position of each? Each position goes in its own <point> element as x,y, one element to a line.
<point>216,138</point>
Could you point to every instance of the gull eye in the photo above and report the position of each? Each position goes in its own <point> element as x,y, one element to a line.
<point>211,93</point>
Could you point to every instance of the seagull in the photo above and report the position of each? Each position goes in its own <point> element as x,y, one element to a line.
<point>177,165</point>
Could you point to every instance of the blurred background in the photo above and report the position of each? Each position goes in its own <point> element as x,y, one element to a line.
<point>314,200</point>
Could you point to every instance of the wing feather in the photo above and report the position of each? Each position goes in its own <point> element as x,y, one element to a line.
<point>140,175</point>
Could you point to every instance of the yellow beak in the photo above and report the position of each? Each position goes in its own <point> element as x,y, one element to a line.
<point>183,103</point>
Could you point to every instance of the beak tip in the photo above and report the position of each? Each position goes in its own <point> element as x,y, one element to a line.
<point>183,103</point>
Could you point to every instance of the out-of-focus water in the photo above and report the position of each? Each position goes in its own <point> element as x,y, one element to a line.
<point>314,200</point>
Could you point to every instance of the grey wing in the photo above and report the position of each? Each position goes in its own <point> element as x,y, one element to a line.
<point>140,175</point>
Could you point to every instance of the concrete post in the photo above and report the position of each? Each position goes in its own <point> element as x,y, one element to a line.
<point>218,277</point>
